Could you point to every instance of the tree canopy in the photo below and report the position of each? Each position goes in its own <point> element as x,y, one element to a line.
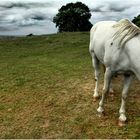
<point>73,17</point>
<point>136,20</point>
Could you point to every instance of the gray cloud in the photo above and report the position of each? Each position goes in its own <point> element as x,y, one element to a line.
<point>13,5</point>
<point>27,5</point>
<point>25,16</point>
<point>3,28</point>
<point>22,14</point>
<point>114,10</point>
<point>111,7</point>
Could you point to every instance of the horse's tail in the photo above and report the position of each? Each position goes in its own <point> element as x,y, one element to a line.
<point>91,45</point>
<point>92,31</point>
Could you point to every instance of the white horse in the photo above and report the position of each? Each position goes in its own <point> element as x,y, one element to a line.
<point>117,46</point>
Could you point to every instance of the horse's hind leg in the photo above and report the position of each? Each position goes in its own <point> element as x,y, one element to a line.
<point>96,63</point>
<point>111,91</point>
<point>107,81</point>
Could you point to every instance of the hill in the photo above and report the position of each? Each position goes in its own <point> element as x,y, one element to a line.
<point>46,86</point>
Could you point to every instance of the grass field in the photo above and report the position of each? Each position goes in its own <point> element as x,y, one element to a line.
<point>46,86</point>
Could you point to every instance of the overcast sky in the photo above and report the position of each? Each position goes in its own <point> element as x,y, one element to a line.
<point>21,17</point>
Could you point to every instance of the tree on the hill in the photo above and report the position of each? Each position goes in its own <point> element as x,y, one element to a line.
<point>136,20</point>
<point>73,17</point>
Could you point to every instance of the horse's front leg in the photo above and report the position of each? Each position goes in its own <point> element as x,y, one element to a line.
<point>107,80</point>
<point>127,82</point>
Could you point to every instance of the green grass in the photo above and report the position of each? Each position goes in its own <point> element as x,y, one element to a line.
<point>46,87</point>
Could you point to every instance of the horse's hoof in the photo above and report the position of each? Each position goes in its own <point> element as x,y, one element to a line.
<point>100,114</point>
<point>121,123</point>
<point>112,94</point>
<point>96,98</point>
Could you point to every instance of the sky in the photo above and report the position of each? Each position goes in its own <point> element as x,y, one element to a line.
<point>22,17</point>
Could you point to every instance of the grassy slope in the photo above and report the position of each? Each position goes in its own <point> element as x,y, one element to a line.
<point>46,86</point>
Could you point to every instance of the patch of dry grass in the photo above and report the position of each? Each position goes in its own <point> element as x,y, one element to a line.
<point>46,86</point>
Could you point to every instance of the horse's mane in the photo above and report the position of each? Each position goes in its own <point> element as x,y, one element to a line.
<point>126,30</point>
